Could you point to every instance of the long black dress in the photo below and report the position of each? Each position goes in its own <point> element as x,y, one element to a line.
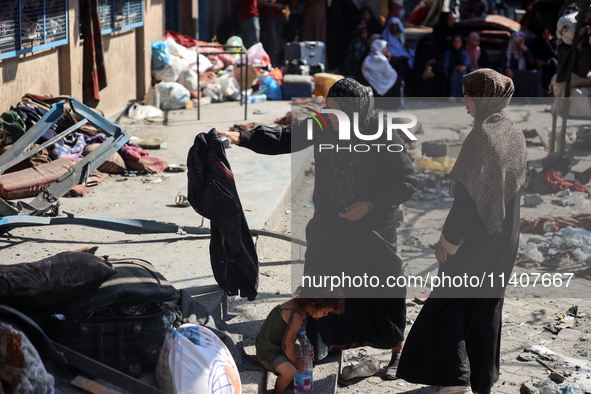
<point>386,179</point>
<point>456,341</point>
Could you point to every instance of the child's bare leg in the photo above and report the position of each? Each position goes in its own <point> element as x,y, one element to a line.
<point>287,373</point>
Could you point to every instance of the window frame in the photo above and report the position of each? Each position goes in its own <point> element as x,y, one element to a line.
<point>36,48</point>
<point>133,25</point>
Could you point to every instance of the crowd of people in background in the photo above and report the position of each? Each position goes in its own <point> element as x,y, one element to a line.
<point>374,50</point>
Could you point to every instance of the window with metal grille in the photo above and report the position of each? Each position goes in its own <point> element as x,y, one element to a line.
<point>32,25</point>
<point>120,14</point>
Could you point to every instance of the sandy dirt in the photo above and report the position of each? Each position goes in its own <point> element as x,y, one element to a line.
<point>526,318</point>
<point>183,259</point>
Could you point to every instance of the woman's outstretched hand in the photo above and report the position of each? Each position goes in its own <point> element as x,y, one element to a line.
<point>233,136</point>
<point>440,253</point>
<point>356,211</point>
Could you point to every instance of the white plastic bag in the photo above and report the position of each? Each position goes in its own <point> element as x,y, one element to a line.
<point>32,375</point>
<point>214,91</point>
<point>188,79</point>
<point>137,111</point>
<point>172,95</point>
<point>230,87</point>
<point>171,72</point>
<point>195,361</point>
<point>188,55</point>
<point>256,56</point>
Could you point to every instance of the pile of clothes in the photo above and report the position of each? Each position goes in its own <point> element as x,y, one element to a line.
<point>31,175</point>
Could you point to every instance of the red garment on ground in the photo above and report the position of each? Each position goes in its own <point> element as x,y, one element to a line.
<point>184,40</point>
<point>536,225</point>
<point>557,183</point>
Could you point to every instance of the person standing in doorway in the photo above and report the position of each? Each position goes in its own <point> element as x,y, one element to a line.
<point>271,14</point>
<point>248,20</point>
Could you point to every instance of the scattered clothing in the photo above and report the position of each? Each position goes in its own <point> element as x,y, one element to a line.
<point>72,147</point>
<point>557,183</point>
<point>536,225</point>
<point>12,127</point>
<point>212,193</point>
<point>132,152</point>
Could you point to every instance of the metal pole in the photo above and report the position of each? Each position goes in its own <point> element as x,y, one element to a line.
<point>246,83</point>
<point>198,87</point>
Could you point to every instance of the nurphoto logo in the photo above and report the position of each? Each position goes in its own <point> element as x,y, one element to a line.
<point>392,124</point>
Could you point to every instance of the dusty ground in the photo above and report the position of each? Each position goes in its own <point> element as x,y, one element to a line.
<point>525,318</point>
<point>183,259</point>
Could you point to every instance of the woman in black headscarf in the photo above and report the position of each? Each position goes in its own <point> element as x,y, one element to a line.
<point>545,52</point>
<point>455,341</point>
<point>456,63</point>
<point>369,20</point>
<point>356,52</point>
<point>445,29</point>
<point>353,231</point>
<point>519,64</point>
<point>429,78</point>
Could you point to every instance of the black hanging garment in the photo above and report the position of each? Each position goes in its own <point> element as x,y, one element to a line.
<point>212,193</point>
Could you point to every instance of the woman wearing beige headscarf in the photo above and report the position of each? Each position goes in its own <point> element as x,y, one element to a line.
<point>455,341</point>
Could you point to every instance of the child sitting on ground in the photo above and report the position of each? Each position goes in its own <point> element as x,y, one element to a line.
<point>275,344</point>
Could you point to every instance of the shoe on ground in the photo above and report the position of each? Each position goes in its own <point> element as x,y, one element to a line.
<point>392,367</point>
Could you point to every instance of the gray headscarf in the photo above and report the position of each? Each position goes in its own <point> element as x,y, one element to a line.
<point>491,164</point>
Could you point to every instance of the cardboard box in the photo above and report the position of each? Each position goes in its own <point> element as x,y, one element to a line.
<point>252,75</point>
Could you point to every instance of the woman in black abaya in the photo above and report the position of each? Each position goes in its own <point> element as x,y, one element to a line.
<point>353,230</point>
<point>455,341</point>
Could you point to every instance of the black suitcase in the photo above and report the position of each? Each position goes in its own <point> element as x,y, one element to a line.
<point>311,51</point>
<point>122,323</point>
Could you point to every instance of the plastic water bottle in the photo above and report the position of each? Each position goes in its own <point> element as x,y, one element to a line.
<point>257,98</point>
<point>401,96</point>
<point>304,382</point>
